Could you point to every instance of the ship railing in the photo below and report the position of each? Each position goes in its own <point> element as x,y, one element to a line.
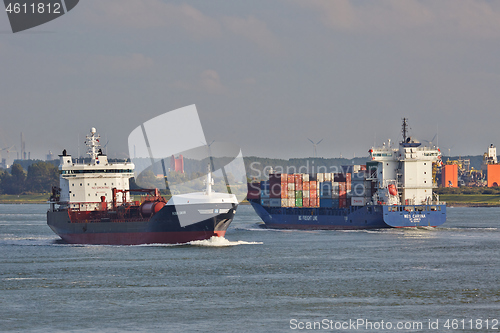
<point>417,187</point>
<point>89,206</point>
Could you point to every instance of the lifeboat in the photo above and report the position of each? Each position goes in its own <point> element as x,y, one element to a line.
<point>392,189</point>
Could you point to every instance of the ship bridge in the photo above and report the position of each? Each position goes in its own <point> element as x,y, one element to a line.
<point>409,166</point>
<point>87,185</point>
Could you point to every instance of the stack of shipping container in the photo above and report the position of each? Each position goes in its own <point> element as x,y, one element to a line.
<point>336,190</point>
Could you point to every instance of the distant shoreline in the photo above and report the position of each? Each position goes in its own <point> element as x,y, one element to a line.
<point>42,198</point>
<point>464,200</point>
<point>470,204</point>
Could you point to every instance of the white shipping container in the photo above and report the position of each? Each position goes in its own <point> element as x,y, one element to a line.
<point>320,177</point>
<point>357,201</point>
<point>291,203</point>
<point>284,202</point>
<point>328,177</point>
<point>305,194</point>
<point>291,195</point>
<point>291,187</point>
<point>305,177</point>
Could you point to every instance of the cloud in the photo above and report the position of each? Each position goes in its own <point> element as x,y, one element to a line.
<point>151,14</point>
<point>254,30</point>
<point>208,81</point>
<point>120,64</point>
<point>157,15</point>
<point>470,18</point>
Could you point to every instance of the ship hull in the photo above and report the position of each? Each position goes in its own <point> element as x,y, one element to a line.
<point>198,222</point>
<point>351,218</point>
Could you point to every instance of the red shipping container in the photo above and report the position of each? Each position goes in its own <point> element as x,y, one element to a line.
<point>313,194</point>
<point>275,190</point>
<point>362,167</point>
<point>313,185</point>
<point>253,190</point>
<point>298,186</point>
<point>305,186</point>
<point>348,177</point>
<point>348,186</point>
<point>312,202</point>
<point>274,178</point>
<point>342,203</point>
<point>342,189</point>
<point>291,178</point>
<point>339,177</point>
<point>298,178</point>
<point>305,202</point>
<point>284,191</point>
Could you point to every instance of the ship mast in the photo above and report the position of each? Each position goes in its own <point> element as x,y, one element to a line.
<point>92,143</point>
<point>405,129</point>
<point>209,181</point>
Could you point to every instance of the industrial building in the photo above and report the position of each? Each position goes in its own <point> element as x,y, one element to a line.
<point>490,167</point>
<point>449,175</point>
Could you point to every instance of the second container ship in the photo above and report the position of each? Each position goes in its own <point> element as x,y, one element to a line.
<point>393,189</point>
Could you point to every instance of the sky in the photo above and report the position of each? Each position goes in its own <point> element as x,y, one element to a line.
<point>264,74</point>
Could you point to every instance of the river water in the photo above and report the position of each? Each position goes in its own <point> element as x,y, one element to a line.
<point>255,280</point>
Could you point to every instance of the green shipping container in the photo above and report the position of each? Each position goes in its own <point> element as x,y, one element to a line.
<point>298,202</point>
<point>298,195</point>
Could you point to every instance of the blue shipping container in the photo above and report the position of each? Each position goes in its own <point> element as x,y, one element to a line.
<point>325,202</point>
<point>325,190</point>
<point>358,176</point>
<point>347,169</point>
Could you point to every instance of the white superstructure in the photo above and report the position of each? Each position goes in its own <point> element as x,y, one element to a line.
<point>86,186</point>
<point>409,168</point>
<point>492,155</point>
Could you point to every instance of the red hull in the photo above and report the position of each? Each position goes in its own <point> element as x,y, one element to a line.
<point>137,238</point>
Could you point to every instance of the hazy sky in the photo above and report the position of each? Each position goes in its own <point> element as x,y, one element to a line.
<point>266,75</point>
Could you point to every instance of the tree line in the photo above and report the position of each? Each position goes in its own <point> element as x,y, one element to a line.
<point>39,178</point>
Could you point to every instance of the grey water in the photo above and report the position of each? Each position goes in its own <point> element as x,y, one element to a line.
<point>254,280</point>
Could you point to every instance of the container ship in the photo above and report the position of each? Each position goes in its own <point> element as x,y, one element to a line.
<point>93,206</point>
<point>393,190</point>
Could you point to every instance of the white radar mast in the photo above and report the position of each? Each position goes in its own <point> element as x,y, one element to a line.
<point>93,145</point>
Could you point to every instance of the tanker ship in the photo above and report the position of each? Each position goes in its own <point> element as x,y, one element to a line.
<point>93,205</point>
<point>393,190</point>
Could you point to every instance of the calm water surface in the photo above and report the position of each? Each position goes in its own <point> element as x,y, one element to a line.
<point>254,281</point>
